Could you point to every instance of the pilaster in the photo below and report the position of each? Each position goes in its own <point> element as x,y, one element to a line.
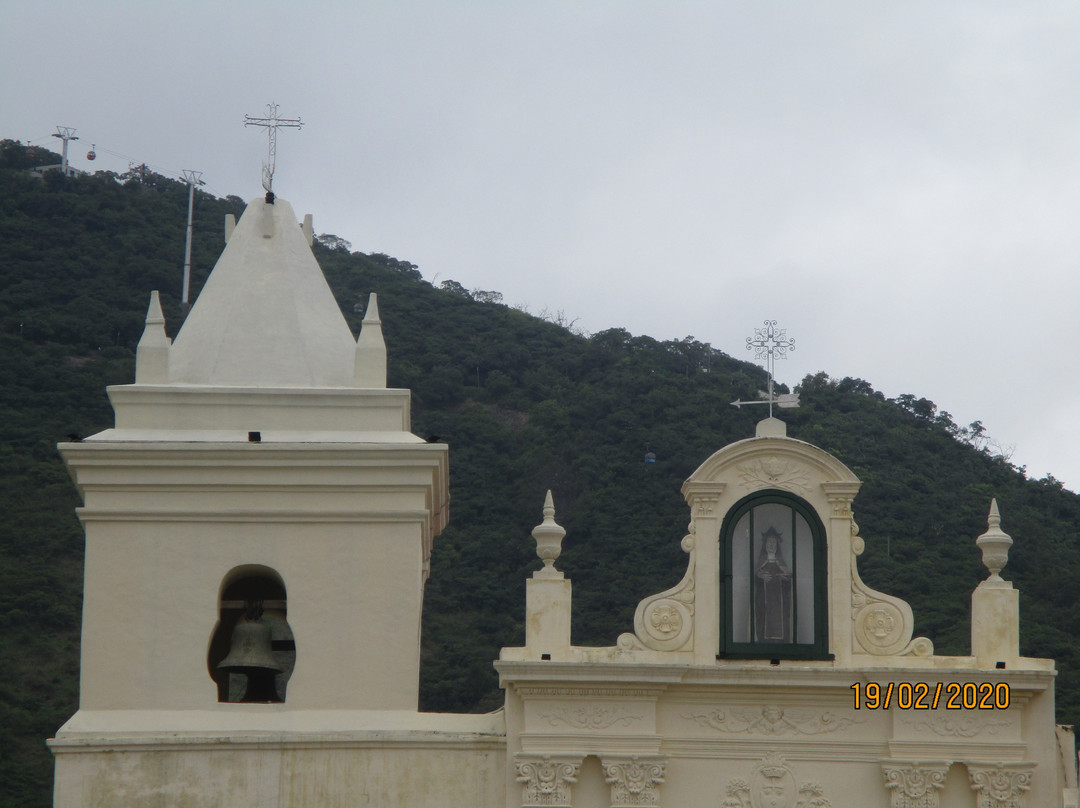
<point>635,781</point>
<point>704,498</point>
<point>547,780</point>
<point>1000,785</point>
<point>840,532</point>
<point>914,785</point>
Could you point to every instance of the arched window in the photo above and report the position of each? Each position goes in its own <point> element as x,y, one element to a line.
<point>262,651</point>
<point>773,572</point>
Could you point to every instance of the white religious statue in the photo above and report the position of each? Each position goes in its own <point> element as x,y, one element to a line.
<point>772,591</point>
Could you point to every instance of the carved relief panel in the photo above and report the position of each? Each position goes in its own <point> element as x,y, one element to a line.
<point>773,784</point>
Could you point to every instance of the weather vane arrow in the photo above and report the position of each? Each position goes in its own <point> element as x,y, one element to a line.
<point>771,343</point>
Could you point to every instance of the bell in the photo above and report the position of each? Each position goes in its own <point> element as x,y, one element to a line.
<point>251,651</point>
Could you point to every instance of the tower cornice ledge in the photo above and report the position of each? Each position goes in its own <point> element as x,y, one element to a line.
<point>166,409</point>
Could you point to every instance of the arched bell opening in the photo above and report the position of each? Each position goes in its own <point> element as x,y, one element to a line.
<point>252,650</point>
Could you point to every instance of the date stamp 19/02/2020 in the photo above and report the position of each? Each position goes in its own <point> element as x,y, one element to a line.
<point>925,696</point>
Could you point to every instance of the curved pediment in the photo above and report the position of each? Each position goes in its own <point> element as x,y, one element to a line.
<point>772,460</point>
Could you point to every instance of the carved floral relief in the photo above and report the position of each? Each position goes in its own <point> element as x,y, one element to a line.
<point>772,472</point>
<point>773,720</point>
<point>957,725</point>
<point>590,717</point>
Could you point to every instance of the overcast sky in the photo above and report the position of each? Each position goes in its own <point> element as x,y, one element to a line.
<point>898,184</point>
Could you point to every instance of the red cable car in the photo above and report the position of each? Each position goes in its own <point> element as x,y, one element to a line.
<point>92,155</point>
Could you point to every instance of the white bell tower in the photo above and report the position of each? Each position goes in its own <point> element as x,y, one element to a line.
<point>259,470</point>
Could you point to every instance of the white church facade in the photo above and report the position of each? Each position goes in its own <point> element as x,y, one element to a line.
<point>259,524</point>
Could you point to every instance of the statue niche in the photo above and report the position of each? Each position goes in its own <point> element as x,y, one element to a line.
<point>773,561</point>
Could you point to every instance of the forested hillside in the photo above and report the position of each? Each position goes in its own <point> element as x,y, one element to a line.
<point>525,404</point>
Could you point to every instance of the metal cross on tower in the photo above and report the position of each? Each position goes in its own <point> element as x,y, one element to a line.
<point>272,123</point>
<point>771,343</point>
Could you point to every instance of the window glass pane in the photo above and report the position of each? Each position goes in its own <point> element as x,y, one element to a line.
<point>804,579</point>
<point>740,581</point>
<point>772,581</point>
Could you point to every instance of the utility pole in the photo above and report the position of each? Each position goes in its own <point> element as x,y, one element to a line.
<point>272,123</point>
<point>65,133</point>
<point>192,178</point>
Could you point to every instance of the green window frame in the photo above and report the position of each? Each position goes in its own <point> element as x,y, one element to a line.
<point>773,579</point>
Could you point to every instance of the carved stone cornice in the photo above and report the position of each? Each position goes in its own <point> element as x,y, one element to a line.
<point>1000,785</point>
<point>702,496</point>
<point>636,780</point>
<point>914,785</point>
<point>841,492</point>
<point>546,780</point>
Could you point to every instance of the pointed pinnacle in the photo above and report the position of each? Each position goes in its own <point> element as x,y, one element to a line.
<point>371,315</point>
<point>549,507</point>
<point>154,314</point>
<point>994,520</point>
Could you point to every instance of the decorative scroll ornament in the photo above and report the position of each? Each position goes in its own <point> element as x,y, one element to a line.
<point>590,717</point>
<point>914,785</point>
<point>772,720</point>
<point>881,624</point>
<point>772,472</point>
<point>665,621</point>
<point>773,784</point>
<point>546,781</point>
<point>1000,786</point>
<point>635,781</point>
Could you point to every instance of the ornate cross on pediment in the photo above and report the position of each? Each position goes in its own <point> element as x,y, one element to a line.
<point>771,343</point>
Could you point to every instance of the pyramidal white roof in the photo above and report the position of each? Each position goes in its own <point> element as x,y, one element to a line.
<point>266,316</point>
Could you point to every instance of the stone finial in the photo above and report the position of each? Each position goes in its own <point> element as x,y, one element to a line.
<point>230,225</point>
<point>549,536</point>
<point>995,544</point>
<point>152,353</point>
<point>771,428</point>
<point>371,349</point>
<point>309,229</point>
